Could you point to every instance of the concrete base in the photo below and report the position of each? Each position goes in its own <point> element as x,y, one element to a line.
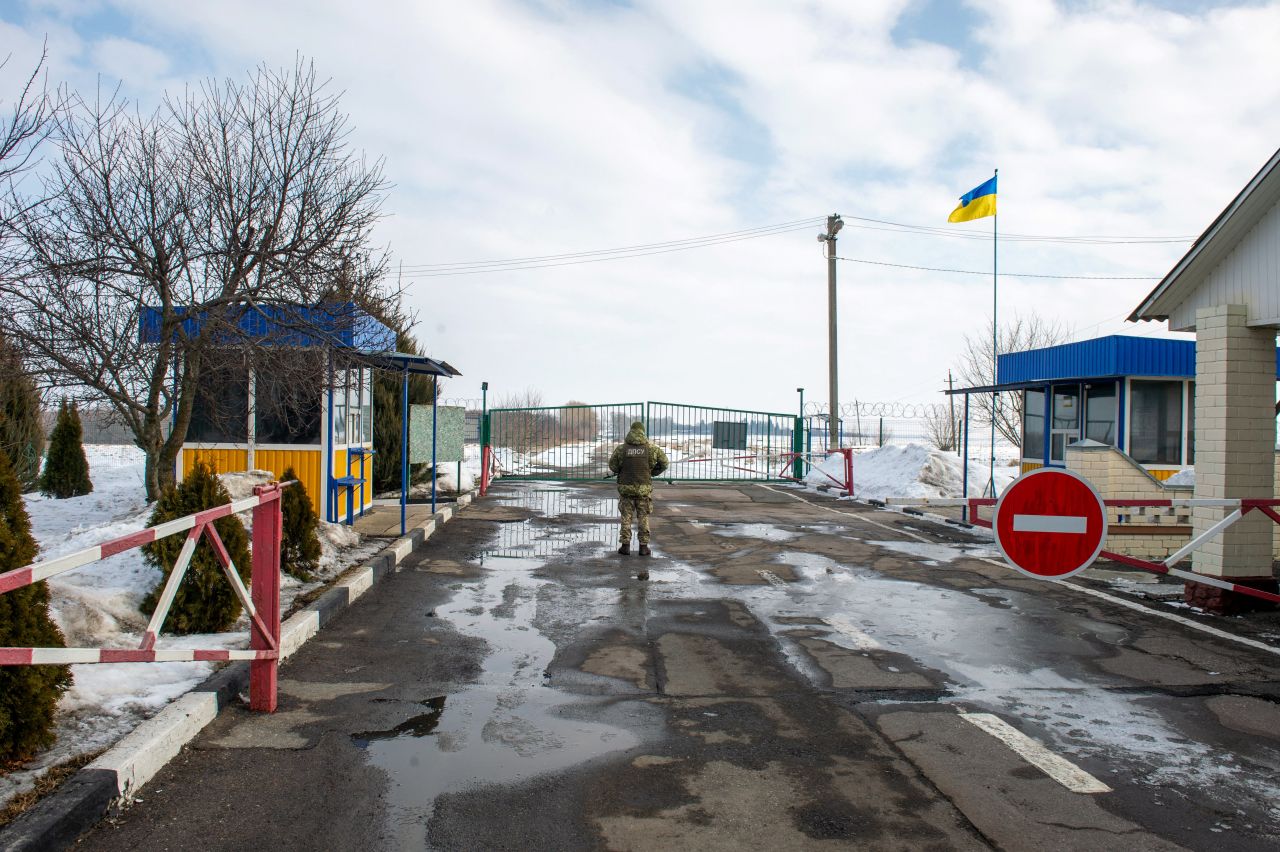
<point>1223,602</point>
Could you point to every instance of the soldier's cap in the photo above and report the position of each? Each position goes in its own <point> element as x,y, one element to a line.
<point>636,424</point>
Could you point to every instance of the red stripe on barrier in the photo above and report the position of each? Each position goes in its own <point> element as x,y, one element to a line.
<point>212,656</point>
<point>1135,562</point>
<point>15,579</point>
<point>208,515</point>
<point>16,656</point>
<point>127,542</point>
<point>122,655</point>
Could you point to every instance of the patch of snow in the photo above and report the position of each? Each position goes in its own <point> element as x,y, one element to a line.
<point>1182,477</point>
<point>935,554</point>
<point>97,605</point>
<point>908,470</point>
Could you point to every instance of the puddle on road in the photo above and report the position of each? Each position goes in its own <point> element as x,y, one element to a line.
<point>938,554</point>
<point>508,726</point>
<point>764,532</point>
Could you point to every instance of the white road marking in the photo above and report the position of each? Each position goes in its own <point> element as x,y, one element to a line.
<point>845,628</point>
<point>1050,524</point>
<point>1137,607</point>
<point>1059,769</point>
<point>773,578</point>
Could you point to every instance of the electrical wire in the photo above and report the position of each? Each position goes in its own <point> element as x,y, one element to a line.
<point>1005,274</point>
<point>438,273</point>
<point>690,242</point>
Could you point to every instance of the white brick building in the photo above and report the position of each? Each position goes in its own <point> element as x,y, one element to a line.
<point>1227,290</point>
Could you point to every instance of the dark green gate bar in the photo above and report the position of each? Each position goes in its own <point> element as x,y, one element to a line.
<point>564,442</point>
<point>707,444</point>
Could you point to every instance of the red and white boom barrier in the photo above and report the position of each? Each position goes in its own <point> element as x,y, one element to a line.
<point>1052,523</point>
<point>262,604</point>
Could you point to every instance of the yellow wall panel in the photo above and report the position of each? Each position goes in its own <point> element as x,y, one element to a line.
<point>1161,475</point>
<point>1027,467</point>
<point>305,463</point>
<point>223,460</point>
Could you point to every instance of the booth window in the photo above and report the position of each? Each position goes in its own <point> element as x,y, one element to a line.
<point>1155,426</point>
<point>366,405</point>
<point>1033,424</point>
<point>340,407</point>
<point>286,408</point>
<point>220,414</point>
<point>1100,412</point>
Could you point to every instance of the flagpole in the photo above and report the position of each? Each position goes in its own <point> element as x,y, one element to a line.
<point>995,330</point>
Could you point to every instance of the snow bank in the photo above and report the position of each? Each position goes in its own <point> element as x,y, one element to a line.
<point>907,470</point>
<point>1182,477</point>
<point>97,605</point>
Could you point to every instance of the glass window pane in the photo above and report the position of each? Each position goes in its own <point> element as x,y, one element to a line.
<point>1100,413</point>
<point>340,407</point>
<point>287,407</point>
<point>1066,407</point>
<point>366,409</point>
<point>220,414</point>
<point>1155,430</point>
<point>1191,423</point>
<point>1033,424</point>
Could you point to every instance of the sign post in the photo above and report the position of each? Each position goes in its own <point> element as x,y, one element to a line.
<point>1050,523</point>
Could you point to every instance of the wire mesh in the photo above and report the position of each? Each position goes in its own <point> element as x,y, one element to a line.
<point>570,442</point>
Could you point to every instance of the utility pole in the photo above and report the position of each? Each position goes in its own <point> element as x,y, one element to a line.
<point>834,224</point>
<point>951,423</point>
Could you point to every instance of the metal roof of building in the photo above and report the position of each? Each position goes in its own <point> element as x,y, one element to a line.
<point>1109,357</point>
<point>341,325</point>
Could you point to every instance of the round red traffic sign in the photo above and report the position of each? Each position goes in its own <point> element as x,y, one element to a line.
<point>1050,523</point>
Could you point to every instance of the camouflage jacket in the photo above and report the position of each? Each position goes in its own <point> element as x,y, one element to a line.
<point>635,479</point>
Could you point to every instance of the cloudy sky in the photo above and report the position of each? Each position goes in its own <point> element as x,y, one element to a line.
<point>536,128</point>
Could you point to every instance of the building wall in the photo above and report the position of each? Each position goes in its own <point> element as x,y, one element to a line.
<point>305,463</point>
<point>222,459</point>
<point>1155,532</point>
<point>1248,275</point>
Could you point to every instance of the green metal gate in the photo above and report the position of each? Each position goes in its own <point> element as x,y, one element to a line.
<point>703,443</point>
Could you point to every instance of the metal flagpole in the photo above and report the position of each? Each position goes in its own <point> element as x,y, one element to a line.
<point>995,332</point>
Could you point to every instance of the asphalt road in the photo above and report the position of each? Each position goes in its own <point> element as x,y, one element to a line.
<point>799,673</point>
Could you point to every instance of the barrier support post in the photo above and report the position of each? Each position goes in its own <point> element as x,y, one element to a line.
<point>268,529</point>
<point>848,471</point>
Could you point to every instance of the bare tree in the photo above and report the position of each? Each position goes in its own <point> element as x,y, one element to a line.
<point>26,124</point>
<point>942,428</point>
<point>580,422</point>
<point>235,199</point>
<point>977,369</point>
<point>521,428</point>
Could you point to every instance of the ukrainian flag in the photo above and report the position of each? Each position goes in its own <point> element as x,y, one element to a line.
<point>977,203</point>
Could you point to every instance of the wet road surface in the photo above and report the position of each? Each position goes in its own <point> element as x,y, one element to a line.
<point>799,673</point>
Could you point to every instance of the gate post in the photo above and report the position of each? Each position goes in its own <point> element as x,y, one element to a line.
<point>797,447</point>
<point>268,528</point>
<point>484,453</point>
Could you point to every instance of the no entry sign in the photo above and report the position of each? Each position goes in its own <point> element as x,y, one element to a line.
<point>1050,523</point>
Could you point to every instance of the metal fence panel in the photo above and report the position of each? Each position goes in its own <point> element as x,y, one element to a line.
<point>568,442</point>
<point>717,444</point>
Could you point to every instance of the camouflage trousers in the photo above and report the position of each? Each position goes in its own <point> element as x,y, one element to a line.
<point>634,510</point>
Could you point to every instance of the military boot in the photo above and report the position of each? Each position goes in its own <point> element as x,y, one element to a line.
<point>644,550</point>
<point>625,550</point>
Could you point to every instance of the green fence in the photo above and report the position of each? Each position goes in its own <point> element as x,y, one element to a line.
<point>703,443</point>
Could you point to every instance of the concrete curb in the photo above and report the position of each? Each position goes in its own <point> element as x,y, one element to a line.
<point>117,775</point>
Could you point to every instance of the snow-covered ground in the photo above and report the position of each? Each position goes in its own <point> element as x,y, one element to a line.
<point>97,605</point>
<point>913,470</point>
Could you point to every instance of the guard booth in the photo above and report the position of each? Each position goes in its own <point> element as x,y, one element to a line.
<point>314,414</point>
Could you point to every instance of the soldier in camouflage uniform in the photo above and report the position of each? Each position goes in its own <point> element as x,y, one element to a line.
<point>636,462</point>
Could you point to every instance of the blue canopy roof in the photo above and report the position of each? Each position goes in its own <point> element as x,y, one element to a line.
<point>1103,357</point>
<point>341,325</point>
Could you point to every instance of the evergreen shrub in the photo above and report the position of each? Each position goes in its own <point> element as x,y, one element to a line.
<point>205,602</point>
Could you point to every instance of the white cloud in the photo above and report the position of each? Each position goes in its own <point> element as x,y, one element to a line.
<point>518,129</point>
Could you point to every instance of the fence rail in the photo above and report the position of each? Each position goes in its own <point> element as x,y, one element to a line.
<point>262,604</point>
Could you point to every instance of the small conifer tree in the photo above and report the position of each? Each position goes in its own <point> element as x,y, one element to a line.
<point>28,694</point>
<point>66,470</point>
<point>300,549</point>
<point>205,602</point>
<point>21,430</point>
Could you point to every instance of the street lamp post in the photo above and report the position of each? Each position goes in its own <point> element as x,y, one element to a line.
<point>834,224</point>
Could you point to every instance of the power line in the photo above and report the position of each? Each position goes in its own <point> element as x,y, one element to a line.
<point>519,265</point>
<point>690,242</point>
<point>1008,274</point>
<point>900,227</point>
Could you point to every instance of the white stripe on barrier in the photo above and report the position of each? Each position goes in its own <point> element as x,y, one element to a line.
<point>1051,524</point>
<point>1178,555</point>
<point>1059,769</point>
